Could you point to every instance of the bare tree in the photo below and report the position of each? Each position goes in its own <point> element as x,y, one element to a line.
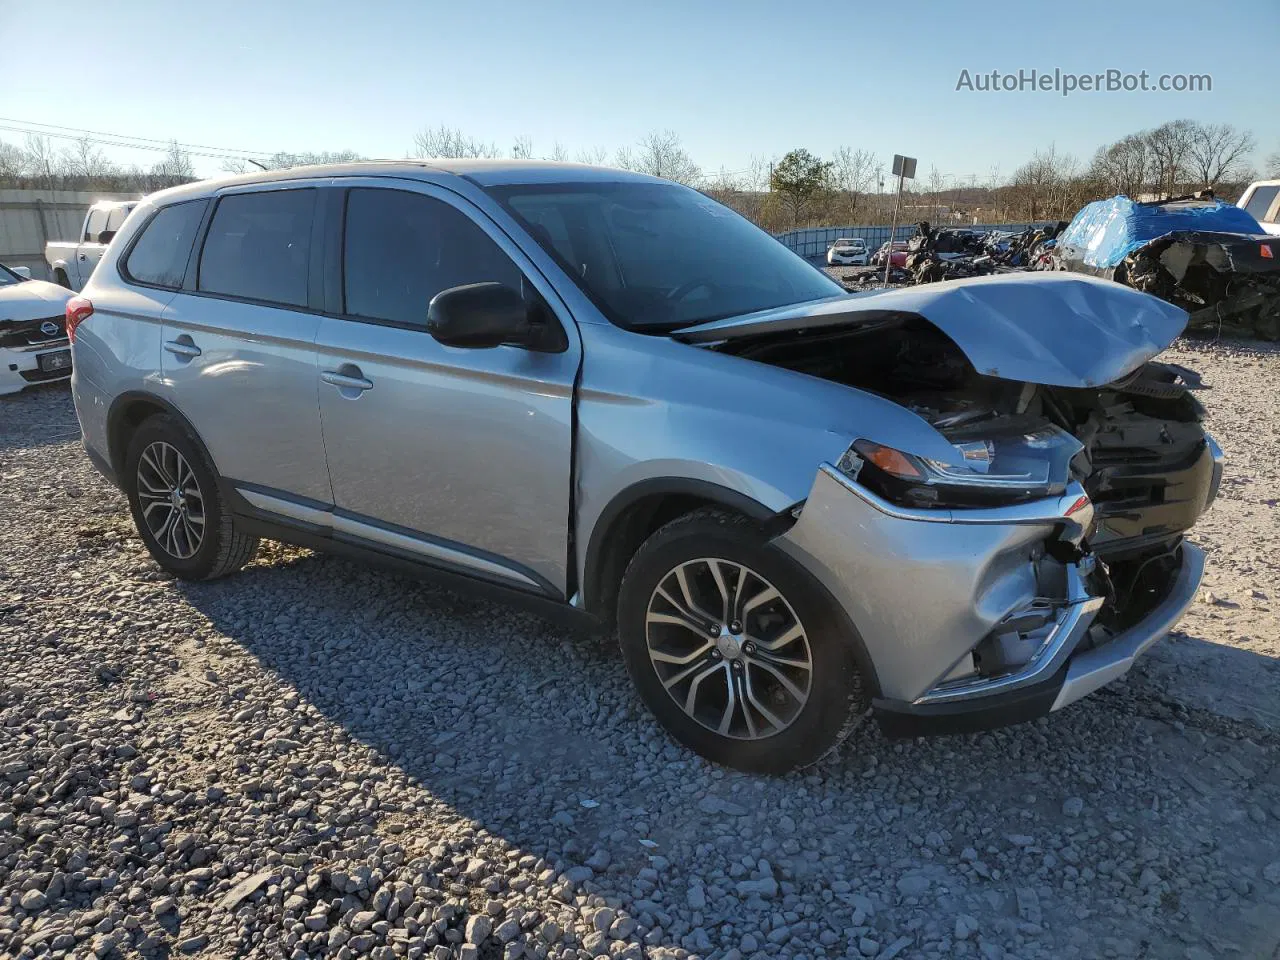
<point>1124,166</point>
<point>592,155</point>
<point>41,160</point>
<point>13,163</point>
<point>176,164</point>
<point>1170,145</point>
<point>452,143</point>
<point>522,149</point>
<point>853,172</point>
<point>1042,187</point>
<point>1219,152</point>
<point>660,154</point>
<point>1273,164</point>
<point>83,159</point>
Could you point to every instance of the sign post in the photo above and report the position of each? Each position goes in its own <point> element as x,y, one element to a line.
<point>904,168</point>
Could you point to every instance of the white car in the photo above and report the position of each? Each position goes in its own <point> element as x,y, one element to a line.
<point>1262,199</point>
<point>71,262</point>
<point>33,337</point>
<point>851,252</point>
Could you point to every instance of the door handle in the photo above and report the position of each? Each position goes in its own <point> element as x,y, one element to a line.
<point>84,256</point>
<point>345,382</point>
<point>178,348</point>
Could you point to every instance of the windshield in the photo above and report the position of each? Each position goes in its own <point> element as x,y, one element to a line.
<point>7,276</point>
<point>657,256</point>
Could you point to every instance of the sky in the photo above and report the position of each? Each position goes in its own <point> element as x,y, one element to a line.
<point>733,80</point>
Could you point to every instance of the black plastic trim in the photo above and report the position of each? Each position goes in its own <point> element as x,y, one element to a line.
<point>414,566</point>
<point>899,719</point>
<point>241,506</point>
<point>602,532</point>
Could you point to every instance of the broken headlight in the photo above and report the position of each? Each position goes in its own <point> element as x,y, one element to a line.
<point>1004,469</point>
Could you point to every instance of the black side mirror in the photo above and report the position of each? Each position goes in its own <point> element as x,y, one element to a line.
<point>105,236</point>
<point>483,315</point>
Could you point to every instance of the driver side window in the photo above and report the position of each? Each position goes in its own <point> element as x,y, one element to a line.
<point>400,249</point>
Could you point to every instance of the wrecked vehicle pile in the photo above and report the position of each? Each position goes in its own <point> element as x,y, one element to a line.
<point>1210,258</point>
<point>952,253</point>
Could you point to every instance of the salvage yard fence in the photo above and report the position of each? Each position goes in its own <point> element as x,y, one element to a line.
<point>813,243</point>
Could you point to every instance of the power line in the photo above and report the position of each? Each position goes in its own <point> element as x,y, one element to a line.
<point>127,136</point>
<point>126,145</point>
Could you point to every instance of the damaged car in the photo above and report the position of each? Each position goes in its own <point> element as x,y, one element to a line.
<point>609,397</point>
<point>1210,258</point>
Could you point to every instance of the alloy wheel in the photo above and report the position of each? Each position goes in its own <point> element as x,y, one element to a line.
<point>729,649</point>
<point>170,500</point>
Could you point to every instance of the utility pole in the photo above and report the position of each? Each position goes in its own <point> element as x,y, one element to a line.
<point>904,168</point>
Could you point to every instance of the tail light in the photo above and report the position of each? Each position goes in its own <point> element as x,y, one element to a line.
<point>79,310</point>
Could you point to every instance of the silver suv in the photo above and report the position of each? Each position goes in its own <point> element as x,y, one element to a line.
<point>958,505</point>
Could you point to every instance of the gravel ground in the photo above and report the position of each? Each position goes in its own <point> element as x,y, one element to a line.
<point>317,759</point>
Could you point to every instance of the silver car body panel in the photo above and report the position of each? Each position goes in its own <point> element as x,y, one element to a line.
<point>1059,329</point>
<point>967,578</point>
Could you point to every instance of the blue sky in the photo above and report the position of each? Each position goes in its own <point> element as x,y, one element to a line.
<point>732,79</point>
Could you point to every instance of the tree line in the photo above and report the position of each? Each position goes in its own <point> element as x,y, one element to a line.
<point>797,189</point>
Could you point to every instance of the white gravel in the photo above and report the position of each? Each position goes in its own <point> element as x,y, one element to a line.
<point>318,759</point>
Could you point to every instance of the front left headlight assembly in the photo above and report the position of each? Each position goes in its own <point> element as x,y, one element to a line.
<point>991,472</point>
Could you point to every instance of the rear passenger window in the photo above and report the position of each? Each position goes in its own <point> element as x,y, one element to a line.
<point>159,258</point>
<point>259,247</point>
<point>400,249</point>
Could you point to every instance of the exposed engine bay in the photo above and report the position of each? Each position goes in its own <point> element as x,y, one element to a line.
<point>1137,445</point>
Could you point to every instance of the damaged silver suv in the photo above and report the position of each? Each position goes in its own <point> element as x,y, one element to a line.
<point>958,505</point>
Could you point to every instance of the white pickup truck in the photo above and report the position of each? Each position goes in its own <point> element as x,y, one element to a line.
<point>70,263</point>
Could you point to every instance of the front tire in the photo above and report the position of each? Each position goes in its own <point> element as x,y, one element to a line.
<point>177,505</point>
<point>735,649</point>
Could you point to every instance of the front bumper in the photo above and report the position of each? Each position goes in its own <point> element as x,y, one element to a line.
<point>925,588</point>
<point>20,366</point>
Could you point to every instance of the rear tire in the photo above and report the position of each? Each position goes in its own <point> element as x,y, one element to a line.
<point>776,687</point>
<point>177,504</point>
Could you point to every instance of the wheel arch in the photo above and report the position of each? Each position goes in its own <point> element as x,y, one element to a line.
<point>128,412</point>
<point>636,512</point>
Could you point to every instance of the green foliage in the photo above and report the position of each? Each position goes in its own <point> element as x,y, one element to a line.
<point>800,179</point>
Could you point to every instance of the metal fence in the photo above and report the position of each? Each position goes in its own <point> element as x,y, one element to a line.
<point>813,243</point>
<point>31,218</point>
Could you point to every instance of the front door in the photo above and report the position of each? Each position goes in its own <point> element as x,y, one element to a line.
<point>458,457</point>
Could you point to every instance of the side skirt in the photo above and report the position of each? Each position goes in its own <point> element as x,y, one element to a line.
<point>317,538</point>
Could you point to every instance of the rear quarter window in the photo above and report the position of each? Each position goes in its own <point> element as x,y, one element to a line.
<point>159,256</point>
<point>259,247</point>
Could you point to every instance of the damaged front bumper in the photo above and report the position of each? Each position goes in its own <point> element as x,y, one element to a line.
<point>976,618</point>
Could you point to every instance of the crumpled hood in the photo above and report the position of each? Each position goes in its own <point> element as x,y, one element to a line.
<point>1059,329</point>
<point>32,300</point>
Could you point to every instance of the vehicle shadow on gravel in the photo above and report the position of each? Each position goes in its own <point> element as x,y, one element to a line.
<point>1114,806</point>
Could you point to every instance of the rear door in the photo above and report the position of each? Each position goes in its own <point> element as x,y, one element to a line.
<point>239,344</point>
<point>457,457</point>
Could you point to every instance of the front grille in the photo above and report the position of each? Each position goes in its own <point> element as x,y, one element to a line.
<point>27,333</point>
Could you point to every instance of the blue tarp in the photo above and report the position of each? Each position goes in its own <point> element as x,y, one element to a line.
<point>1106,231</point>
